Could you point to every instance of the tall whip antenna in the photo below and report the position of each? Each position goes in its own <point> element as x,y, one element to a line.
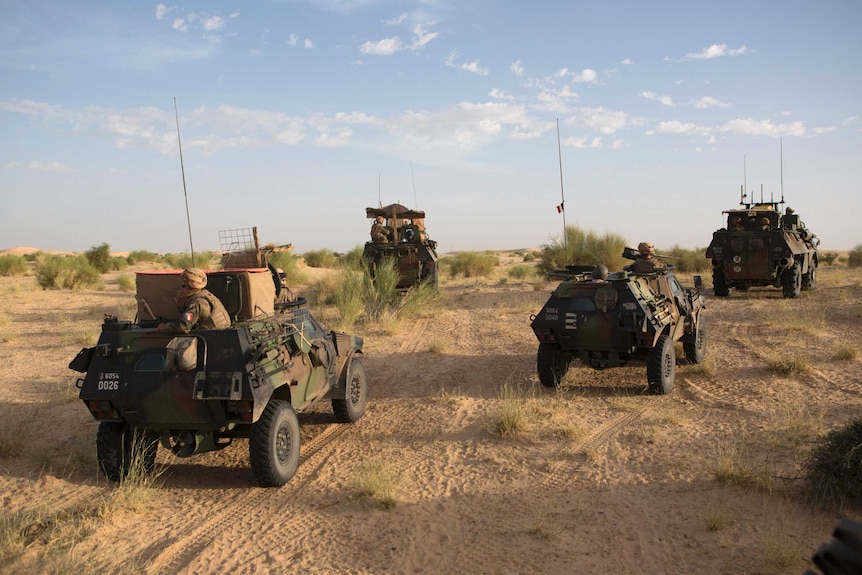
<point>185,193</point>
<point>781,151</point>
<point>412,175</point>
<point>379,201</point>
<point>562,195</point>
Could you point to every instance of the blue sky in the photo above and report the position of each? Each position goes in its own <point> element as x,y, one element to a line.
<point>296,115</point>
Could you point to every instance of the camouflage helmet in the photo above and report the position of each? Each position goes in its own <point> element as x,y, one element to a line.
<point>646,248</point>
<point>600,272</point>
<point>194,278</point>
<point>379,219</point>
<point>764,220</point>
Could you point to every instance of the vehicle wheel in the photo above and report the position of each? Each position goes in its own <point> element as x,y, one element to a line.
<point>274,444</point>
<point>791,281</point>
<point>552,364</point>
<point>352,407</point>
<point>809,280</point>
<point>695,350</point>
<point>119,450</point>
<point>719,286</point>
<point>661,366</point>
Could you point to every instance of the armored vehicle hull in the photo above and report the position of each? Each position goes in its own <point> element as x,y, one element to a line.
<point>198,391</point>
<point>762,247</point>
<point>404,242</point>
<point>605,323</point>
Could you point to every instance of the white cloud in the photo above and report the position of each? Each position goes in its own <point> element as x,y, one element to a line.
<point>710,102</point>
<point>162,11</point>
<point>517,68</point>
<point>627,62</point>
<point>307,44</point>
<point>587,75</point>
<point>292,40</point>
<point>666,100</point>
<point>715,51</point>
<point>212,23</point>
<point>36,165</point>
<point>396,21</point>
<point>603,121</point>
<point>555,100</point>
<point>498,94</point>
<point>473,67</point>
<point>180,25</point>
<point>824,129</point>
<point>739,127</point>
<point>422,36</point>
<point>385,47</point>
<point>337,140</point>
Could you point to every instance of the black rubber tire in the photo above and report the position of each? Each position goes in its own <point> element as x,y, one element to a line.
<point>696,350</point>
<point>719,285</point>
<point>117,446</point>
<point>661,366</point>
<point>352,407</point>
<point>791,281</point>
<point>551,364</point>
<point>809,280</point>
<point>273,447</point>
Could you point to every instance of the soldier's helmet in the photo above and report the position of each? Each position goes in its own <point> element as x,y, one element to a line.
<point>379,219</point>
<point>646,248</point>
<point>764,220</point>
<point>600,272</point>
<point>193,278</point>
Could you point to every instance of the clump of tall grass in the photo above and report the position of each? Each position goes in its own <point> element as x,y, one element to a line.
<point>322,258</point>
<point>827,258</point>
<point>471,264</point>
<point>789,365</point>
<point>377,478</point>
<point>512,415</point>
<point>523,271</point>
<point>56,272</point>
<point>14,419</point>
<point>12,265</point>
<point>352,259</point>
<point>289,264</point>
<point>184,260</point>
<point>834,468</point>
<point>854,258</point>
<point>585,248</point>
<point>686,260</point>
<point>126,282</point>
<point>139,256</point>
<point>846,352</point>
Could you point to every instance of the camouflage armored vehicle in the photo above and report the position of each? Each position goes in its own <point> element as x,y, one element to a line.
<point>399,235</point>
<point>198,391</point>
<point>606,319</point>
<point>761,246</point>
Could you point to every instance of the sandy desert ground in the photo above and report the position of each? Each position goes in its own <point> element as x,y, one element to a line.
<point>604,479</point>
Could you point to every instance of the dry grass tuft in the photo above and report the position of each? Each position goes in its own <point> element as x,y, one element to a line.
<point>512,415</point>
<point>845,352</point>
<point>15,419</point>
<point>733,466</point>
<point>789,365</point>
<point>377,478</point>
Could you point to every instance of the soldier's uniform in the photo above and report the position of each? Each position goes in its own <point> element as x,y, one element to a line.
<point>378,231</point>
<point>646,262</point>
<point>199,308</point>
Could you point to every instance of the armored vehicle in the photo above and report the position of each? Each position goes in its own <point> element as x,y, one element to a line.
<point>606,319</point>
<point>761,246</point>
<point>198,391</point>
<point>399,235</point>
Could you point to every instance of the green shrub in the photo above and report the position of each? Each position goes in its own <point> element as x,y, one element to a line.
<point>854,260</point>
<point>348,296</point>
<point>529,257</point>
<point>322,258</point>
<point>472,264</point>
<point>352,259</point>
<point>685,260</point>
<point>184,260</point>
<point>834,468</point>
<point>126,282</point>
<point>585,248</point>
<point>11,265</point>
<point>288,263</point>
<point>99,257</point>
<point>379,293</point>
<point>522,271</point>
<point>55,272</point>
<point>139,256</point>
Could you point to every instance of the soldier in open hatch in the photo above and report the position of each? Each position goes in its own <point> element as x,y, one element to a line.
<point>199,309</point>
<point>646,262</point>
<point>378,231</point>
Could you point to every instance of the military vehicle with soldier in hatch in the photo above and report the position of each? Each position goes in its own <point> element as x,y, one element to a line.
<point>761,246</point>
<point>605,319</point>
<point>398,235</point>
<point>197,390</point>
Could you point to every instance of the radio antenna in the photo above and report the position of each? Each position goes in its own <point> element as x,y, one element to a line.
<point>562,208</point>
<point>379,201</point>
<point>183,170</point>
<point>781,163</point>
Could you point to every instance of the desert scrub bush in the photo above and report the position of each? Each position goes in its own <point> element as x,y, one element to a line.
<point>352,259</point>
<point>687,261</point>
<point>139,256</point>
<point>846,352</point>
<point>185,260</point>
<point>126,282</point>
<point>733,465</point>
<point>833,470</point>
<point>289,264</point>
<point>322,258</point>
<point>529,257</point>
<point>377,478</point>
<point>523,271</point>
<point>15,418</point>
<point>348,297</point>
<point>472,264</point>
<point>788,365</point>
<point>55,272</point>
<point>827,258</point>
<point>12,265</point>
<point>854,259</point>
<point>99,257</point>
<point>586,248</point>
<point>513,413</point>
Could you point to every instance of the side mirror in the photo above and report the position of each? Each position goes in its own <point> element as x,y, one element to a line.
<point>698,282</point>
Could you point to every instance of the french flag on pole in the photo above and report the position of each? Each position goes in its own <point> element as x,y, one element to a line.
<point>560,209</point>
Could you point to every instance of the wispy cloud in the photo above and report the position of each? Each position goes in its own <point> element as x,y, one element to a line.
<point>162,11</point>
<point>603,121</point>
<point>388,46</point>
<point>517,68</point>
<point>710,102</point>
<point>739,127</point>
<point>210,26</point>
<point>627,62</point>
<point>473,67</point>
<point>666,100</point>
<point>35,165</point>
<point>396,21</point>
<point>715,51</point>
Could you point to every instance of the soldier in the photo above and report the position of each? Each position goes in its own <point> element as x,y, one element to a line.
<point>764,223</point>
<point>736,224</point>
<point>646,262</point>
<point>408,235</point>
<point>199,308</point>
<point>378,231</point>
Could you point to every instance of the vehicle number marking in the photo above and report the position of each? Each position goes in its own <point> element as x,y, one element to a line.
<point>108,381</point>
